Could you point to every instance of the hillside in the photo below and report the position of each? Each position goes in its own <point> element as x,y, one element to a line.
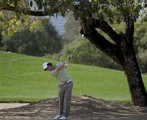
<point>22,79</point>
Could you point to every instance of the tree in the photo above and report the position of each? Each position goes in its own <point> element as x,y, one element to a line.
<point>98,15</point>
<point>42,40</point>
<point>72,28</point>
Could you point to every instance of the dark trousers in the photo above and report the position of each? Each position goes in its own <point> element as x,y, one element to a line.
<point>65,91</point>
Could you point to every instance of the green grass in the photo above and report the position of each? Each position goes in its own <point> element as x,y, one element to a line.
<point>22,79</point>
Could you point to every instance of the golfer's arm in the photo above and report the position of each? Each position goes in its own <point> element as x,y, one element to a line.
<point>60,67</point>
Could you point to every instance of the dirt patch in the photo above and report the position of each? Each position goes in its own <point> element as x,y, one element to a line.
<point>82,108</point>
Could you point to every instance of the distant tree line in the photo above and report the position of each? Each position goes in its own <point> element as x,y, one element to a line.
<point>42,40</point>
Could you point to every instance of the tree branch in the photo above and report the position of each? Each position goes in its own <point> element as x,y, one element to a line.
<point>104,26</point>
<point>127,39</point>
<point>102,43</point>
<point>129,29</point>
<point>30,12</point>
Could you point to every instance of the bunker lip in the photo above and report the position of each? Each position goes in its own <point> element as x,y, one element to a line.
<point>11,105</point>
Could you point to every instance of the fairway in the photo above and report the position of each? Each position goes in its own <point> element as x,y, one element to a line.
<point>22,79</point>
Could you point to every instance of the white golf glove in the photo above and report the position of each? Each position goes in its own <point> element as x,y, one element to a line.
<point>66,65</point>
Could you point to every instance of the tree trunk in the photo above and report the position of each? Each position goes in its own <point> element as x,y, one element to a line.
<point>123,53</point>
<point>135,82</point>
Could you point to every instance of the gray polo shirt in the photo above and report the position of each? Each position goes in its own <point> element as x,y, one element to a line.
<point>61,75</point>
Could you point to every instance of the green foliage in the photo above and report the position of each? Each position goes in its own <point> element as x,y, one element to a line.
<point>11,24</point>
<point>72,28</point>
<point>140,36</point>
<point>109,10</point>
<point>39,42</point>
<point>106,9</point>
<point>1,38</point>
<point>141,44</point>
<point>86,53</point>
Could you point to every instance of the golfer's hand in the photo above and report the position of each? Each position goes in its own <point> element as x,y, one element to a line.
<point>66,64</point>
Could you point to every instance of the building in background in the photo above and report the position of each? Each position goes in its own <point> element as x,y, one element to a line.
<point>59,24</point>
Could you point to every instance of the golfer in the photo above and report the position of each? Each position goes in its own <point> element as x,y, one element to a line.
<point>65,88</point>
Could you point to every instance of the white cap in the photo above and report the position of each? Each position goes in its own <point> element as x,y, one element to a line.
<point>45,65</point>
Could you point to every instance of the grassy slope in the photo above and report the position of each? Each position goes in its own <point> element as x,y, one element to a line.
<point>22,79</point>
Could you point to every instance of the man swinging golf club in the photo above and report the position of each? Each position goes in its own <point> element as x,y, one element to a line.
<point>65,87</point>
